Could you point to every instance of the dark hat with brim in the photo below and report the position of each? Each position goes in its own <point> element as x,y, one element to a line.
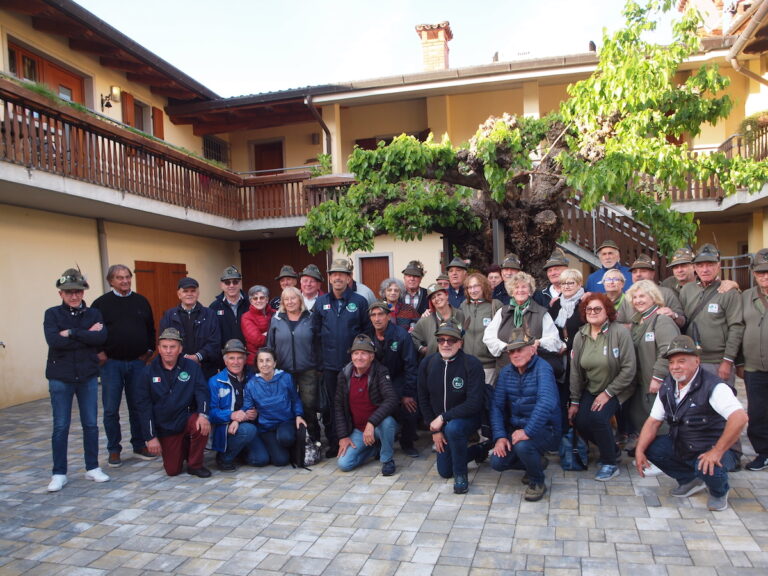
<point>682,345</point>
<point>760,261</point>
<point>518,338</point>
<point>434,288</point>
<point>340,265</point>
<point>231,273</point>
<point>234,345</point>
<point>457,263</point>
<point>681,256</point>
<point>606,244</point>
<point>557,259</point>
<point>313,272</point>
<point>287,272</point>
<point>364,343</point>
<point>72,279</point>
<point>188,282</point>
<point>449,329</point>
<point>171,334</point>
<point>414,268</point>
<point>643,261</point>
<point>511,261</point>
<point>707,253</point>
<point>375,305</point>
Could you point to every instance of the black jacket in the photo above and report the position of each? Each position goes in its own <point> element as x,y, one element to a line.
<point>397,354</point>
<point>380,391</point>
<point>73,358</point>
<point>454,388</point>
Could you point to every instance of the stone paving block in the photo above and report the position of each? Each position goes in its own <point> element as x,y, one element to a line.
<point>710,558</point>
<point>599,567</point>
<point>459,549</point>
<point>443,570</point>
<point>499,561</point>
<point>345,564</point>
<point>641,568</point>
<point>299,565</point>
<point>376,567</point>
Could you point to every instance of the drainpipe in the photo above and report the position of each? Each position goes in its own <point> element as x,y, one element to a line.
<point>316,113</point>
<point>733,53</point>
<point>103,255</point>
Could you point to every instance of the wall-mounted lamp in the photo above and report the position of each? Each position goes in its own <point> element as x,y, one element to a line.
<point>113,96</point>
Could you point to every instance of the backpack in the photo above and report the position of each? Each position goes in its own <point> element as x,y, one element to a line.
<point>574,454</point>
<point>305,452</point>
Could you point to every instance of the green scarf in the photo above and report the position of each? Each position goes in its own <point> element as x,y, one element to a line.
<point>519,310</point>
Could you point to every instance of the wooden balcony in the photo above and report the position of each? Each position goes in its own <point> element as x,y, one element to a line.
<point>41,134</point>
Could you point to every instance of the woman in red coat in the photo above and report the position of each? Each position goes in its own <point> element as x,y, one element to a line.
<point>255,322</point>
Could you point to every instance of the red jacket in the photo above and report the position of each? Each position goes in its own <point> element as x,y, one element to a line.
<point>254,325</point>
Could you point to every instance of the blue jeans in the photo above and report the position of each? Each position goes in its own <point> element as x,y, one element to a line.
<point>384,434</point>
<point>238,441</point>
<point>273,445</point>
<point>61,403</point>
<point>662,453</point>
<point>523,456</point>
<point>453,460</point>
<point>117,375</point>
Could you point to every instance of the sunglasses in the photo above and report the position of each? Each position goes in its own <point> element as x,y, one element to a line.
<point>447,341</point>
<point>231,282</point>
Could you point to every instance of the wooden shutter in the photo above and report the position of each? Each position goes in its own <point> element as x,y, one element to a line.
<point>158,129</point>
<point>129,114</point>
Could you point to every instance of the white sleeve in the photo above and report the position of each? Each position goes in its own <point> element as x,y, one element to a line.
<point>491,333</point>
<point>724,401</point>
<point>657,410</point>
<point>550,339</point>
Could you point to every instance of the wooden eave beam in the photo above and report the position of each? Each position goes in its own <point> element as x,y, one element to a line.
<point>93,46</point>
<point>60,26</point>
<point>223,126</point>
<point>122,63</point>
<point>176,92</point>
<point>29,7</point>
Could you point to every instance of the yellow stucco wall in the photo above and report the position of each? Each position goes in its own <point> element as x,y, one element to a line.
<point>468,111</point>
<point>298,149</point>
<point>726,237</point>
<point>97,78</point>
<point>36,247</point>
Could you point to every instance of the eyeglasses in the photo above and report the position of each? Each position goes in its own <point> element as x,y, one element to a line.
<point>595,310</point>
<point>612,280</point>
<point>568,283</point>
<point>447,341</point>
<point>231,282</point>
<point>259,297</point>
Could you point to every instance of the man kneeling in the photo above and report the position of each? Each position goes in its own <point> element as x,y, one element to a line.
<point>365,402</point>
<point>705,422</point>
<point>525,414</point>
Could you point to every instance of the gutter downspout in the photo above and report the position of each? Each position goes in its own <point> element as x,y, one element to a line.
<point>733,53</point>
<point>319,118</point>
<point>103,255</point>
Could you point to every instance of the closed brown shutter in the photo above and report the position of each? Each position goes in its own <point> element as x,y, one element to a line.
<point>158,130</point>
<point>129,114</point>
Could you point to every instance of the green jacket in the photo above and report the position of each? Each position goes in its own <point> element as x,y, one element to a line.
<point>719,326</point>
<point>755,344</point>
<point>620,355</point>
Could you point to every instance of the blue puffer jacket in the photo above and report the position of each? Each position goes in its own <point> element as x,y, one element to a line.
<point>166,398</point>
<point>529,401</point>
<point>222,405</point>
<point>276,400</point>
<point>73,358</point>
<point>335,323</point>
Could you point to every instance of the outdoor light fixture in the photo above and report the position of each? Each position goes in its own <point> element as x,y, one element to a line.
<point>113,96</point>
<point>106,101</point>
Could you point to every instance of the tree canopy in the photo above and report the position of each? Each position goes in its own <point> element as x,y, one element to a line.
<point>619,137</point>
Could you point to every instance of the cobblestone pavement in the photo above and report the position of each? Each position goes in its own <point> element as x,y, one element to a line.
<point>286,521</point>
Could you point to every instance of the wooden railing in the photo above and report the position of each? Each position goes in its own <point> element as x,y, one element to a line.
<point>44,135</point>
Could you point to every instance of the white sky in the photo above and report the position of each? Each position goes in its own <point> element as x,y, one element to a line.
<point>237,47</point>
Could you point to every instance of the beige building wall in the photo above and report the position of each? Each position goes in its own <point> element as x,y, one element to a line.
<point>298,149</point>
<point>727,237</point>
<point>468,111</point>
<point>36,247</point>
<point>97,78</point>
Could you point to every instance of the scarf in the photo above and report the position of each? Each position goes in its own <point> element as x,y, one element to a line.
<point>567,306</point>
<point>518,310</point>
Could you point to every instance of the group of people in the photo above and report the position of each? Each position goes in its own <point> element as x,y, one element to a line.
<point>488,364</point>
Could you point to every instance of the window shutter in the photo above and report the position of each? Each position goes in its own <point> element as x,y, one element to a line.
<point>129,115</point>
<point>158,130</point>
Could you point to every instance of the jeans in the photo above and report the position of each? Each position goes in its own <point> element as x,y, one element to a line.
<point>116,376</point>
<point>757,411</point>
<point>357,455</point>
<point>523,456</point>
<point>595,426</point>
<point>453,460</point>
<point>273,445</point>
<point>61,403</point>
<point>662,453</point>
<point>238,441</point>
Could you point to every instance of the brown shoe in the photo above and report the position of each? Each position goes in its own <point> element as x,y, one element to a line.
<point>114,460</point>
<point>534,492</point>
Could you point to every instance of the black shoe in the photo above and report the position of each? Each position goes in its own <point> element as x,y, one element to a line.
<point>485,448</point>
<point>226,466</point>
<point>411,451</point>
<point>332,452</point>
<point>201,472</point>
<point>460,484</point>
<point>758,463</point>
<point>388,468</point>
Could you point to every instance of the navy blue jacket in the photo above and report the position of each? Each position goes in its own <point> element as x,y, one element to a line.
<point>453,388</point>
<point>229,324</point>
<point>206,335</point>
<point>166,398</point>
<point>500,293</point>
<point>529,401</point>
<point>73,358</point>
<point>335,323</point>
<point>397,354</point>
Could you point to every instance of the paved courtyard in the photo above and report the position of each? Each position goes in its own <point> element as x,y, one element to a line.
<point>285,521</point>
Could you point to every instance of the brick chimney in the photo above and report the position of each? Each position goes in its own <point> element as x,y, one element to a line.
<point>434,44</point>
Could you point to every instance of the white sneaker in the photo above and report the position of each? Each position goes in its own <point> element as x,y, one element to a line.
<point>58,481</point>
<point>96,475</point>
<point>652,469</point>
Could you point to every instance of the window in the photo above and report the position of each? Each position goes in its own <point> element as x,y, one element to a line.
<point>216,149</point>
<point>27,65</point>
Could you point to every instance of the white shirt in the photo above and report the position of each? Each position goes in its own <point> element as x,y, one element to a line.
<point>722,400</point>
<point>550,340</point>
